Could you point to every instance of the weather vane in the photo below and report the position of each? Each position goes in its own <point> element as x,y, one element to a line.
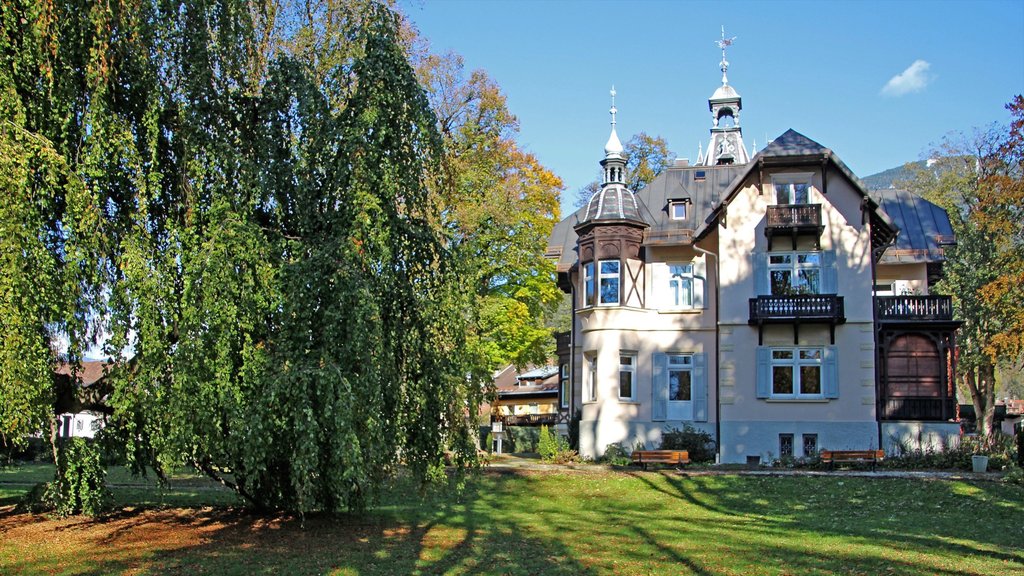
<point>723,44</point>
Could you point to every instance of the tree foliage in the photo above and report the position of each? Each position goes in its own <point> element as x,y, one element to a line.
<point>248,197</point>
<point>500,212</point>
<point>978,180</point>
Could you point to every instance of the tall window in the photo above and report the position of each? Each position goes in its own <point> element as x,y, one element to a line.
<point>796,372</point>
<point>810,444</point>
<point>564,385</point>
<point>627,376</point>
<point>680,285</point>
<point>588,284</point>
<point>591,378</point>
<point>609,282</point>
<point>794,273</point>
<point>680,378</point>
<point>792,188</point>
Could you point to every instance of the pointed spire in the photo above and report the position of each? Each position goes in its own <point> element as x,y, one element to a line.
<point>723,44</point>
<point>614,146</point>
<point>700,153</point>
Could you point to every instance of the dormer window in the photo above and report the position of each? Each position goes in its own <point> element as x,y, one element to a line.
<point>677,209</point>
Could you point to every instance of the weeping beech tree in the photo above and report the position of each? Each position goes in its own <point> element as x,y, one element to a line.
<point>255,229</point>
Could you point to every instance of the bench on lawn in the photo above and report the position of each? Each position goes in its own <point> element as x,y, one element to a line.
<point>645,457</point>
<point>831,457</point>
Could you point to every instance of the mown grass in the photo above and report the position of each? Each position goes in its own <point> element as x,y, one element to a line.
<point>566,523</point>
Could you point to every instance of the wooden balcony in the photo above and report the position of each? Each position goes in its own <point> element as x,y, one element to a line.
<point>529,419</point>
<point>797,309</point>
<point>793,221</point>
<point>914,309</point>
<point>911,408</point>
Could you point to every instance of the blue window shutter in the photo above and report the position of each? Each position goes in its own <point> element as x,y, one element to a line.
<point>761,285</point>
<point>659,387</point>
<point>700,387</point>
<point>764,372</point>
<point>829,274</point>
<point>830,373</point>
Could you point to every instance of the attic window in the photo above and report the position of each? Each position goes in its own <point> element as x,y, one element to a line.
<point>699,175</point>
<point>677,208</point>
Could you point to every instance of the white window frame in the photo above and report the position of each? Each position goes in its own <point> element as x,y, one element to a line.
<point>795,267</point>
<point>787,185</point>
<point>589,284</point>
<point>627,371</point>
<point>677,282</point>
<point>795,363</point>
<point>678,209</point>
<point>603,276</point>
<point>680,363</point>
<point>590,379</point>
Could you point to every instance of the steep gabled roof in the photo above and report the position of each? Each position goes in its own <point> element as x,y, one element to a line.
<point>793,149</point>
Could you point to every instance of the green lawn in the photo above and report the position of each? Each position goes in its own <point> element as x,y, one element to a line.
<point>567,523</point>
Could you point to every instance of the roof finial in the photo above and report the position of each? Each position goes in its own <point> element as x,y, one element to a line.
<point>613,109</point>
<point>723,44</point>
<point>614,146</point>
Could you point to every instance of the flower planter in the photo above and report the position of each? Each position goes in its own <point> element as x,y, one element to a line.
<point>979,463</point>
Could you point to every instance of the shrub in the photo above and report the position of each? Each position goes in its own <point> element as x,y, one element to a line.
<point>697,442</point>
<point>547,446</point>
<point>574,429</point>
<point>521,439</point>
<point>1020,448</point>
<point>615,455</point>
<point>998,448</point>
<point>490,442</point>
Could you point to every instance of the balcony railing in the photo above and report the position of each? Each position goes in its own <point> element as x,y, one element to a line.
<point>789,215</point>
<point>934,409</point>
<point>793,220</point>
<point>528,419</point>
<point>799,307</point>
<point>795,310</point>
<point>914,308</point>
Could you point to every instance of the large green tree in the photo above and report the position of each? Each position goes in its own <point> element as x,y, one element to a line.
<point>978,180</point>
<point>246,195</point>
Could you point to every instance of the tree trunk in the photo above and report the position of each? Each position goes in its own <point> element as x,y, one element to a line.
<point>980,382</point>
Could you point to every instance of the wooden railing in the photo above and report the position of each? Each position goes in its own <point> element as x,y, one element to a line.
<point>528,419</point>
<point>806,307</point>
<point>910,408</point>
<point>794,215</point>
<point>914,308</point>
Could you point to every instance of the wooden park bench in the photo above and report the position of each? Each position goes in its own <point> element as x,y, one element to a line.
<point>831,457</point>
<point>674,457</point>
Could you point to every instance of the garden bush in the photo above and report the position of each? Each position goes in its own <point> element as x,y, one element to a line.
<point>615,455</point>
<point>79,485</point>
<point>697,442</point>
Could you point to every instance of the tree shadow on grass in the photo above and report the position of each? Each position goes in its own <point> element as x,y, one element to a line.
<point>436,534</point>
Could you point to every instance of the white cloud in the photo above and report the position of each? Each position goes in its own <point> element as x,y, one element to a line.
<point>913,79</point>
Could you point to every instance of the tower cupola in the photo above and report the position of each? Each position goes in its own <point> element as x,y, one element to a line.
<point>726,145</point>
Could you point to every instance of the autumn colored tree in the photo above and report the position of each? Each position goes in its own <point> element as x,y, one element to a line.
<point>646,158</point>
<point>500,212</point>
<point>978,180</point>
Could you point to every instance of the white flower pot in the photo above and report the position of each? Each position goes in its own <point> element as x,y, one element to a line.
<point>979,463</point>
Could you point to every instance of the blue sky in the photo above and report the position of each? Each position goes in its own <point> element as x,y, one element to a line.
<point>820,68</point>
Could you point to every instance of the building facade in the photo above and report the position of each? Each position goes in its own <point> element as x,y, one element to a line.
<point>766,298</point>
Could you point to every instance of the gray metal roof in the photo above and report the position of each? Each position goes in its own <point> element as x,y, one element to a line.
<point>924,227</point>
<point>614,202</point>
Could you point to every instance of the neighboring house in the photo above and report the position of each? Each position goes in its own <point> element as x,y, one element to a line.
<point>767,299</point>
<point>530,398</point>
<point>81,399</point>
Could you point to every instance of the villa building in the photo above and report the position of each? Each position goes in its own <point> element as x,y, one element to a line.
<point>767,298</point>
